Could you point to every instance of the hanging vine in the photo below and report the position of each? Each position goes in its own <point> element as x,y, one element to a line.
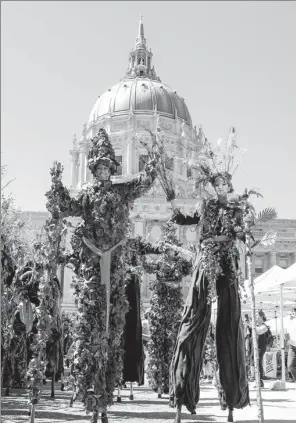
<point>165,306</point>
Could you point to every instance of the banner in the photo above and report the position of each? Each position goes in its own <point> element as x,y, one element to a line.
<point>270,364</point>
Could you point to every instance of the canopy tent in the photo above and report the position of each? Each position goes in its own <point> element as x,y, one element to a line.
<point>275,289</point>
<point>289,277</point>
<point>273,324</point>
<point>267,287</point>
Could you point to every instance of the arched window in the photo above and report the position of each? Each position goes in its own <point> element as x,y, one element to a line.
<point>119,168</point>
<point>143,159</point>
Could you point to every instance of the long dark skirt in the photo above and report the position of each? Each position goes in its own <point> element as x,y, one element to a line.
<point>188,355</point>
<point>133,358</point>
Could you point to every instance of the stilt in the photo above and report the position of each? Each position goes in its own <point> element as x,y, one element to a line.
<point>52,385</point>
<point>73,396</point>
<point>131,397</point>
<point>118,394</point>
<point>178,414</point>
<point>7,391</point>
<point>159,392</point>
<point>104,417</point>
<point>94,418</point>
<point>230,414</point>
<point>260,412</point>
<point>62,382</point>
<point>33,413</point>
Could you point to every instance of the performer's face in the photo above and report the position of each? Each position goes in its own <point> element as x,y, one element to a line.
<point>221,187</point>
<point>103,172</point>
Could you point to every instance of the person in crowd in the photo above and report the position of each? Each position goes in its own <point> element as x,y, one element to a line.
<point>248,344</point>
<point>262,334</point>
<point>291,329</point>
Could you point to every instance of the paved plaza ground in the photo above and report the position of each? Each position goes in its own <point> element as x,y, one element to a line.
<point>279,406</point>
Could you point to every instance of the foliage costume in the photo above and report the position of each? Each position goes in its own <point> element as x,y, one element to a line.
<point>216,267</point>
<point>215,273</point>
<point>165,306</point>
<point>98,261</point>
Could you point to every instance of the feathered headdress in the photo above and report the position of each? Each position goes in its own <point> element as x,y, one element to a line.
<point>212,162</point>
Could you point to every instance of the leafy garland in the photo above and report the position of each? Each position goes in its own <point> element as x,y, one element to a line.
<point>46,346</point>
<point>166,306</point>
<point>15,252</point>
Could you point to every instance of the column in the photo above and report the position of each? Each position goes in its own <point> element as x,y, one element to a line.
<point>88,172</point>
<point>129,158</point>
<point>82,163</point>
<point>265,262</point>
<point>272,258</point>
<point>74,162</point>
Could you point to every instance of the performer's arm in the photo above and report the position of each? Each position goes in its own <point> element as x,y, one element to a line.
<point>238,229</point>
<point>60,201</point>
<point>148,248</point>
<point>142,247</point>
<point>182,219</point>
<point>137,187</point>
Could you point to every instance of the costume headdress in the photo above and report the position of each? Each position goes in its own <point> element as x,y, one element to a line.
<point>102,151</point>
<point>211,163</point>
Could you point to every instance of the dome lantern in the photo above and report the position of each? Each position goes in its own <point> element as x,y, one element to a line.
<point>140,58</point>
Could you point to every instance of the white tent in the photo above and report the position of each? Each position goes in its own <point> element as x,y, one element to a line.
<point>268,280</point>
<point>275,289</point>
<point>289,277</point>
<point>267,287</point>
<point>273,324</point>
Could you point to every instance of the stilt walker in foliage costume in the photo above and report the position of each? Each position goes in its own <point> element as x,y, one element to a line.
<point>133,355</point>
<point>216,274</point>
<point>99,265</point>
<point>165,306</point>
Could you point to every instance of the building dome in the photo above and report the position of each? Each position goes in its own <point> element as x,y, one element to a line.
<point>138,103</point>
<point>142,96</point>
<point>140,91</point>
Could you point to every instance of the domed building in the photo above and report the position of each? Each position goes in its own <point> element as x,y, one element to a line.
<point>138,102</point>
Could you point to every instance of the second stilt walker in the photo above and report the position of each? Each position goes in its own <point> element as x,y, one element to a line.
<point>215,274</point>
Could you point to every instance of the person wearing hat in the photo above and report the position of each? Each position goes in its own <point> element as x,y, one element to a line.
<point>98,261</point>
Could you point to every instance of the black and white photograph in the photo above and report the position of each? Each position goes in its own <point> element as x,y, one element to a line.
<point>148,211</point>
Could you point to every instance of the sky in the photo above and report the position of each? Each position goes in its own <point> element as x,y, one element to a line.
<point>233,62</point>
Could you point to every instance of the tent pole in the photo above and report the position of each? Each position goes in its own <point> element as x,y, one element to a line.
<point>276,329</point>
<point>282,334</point>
